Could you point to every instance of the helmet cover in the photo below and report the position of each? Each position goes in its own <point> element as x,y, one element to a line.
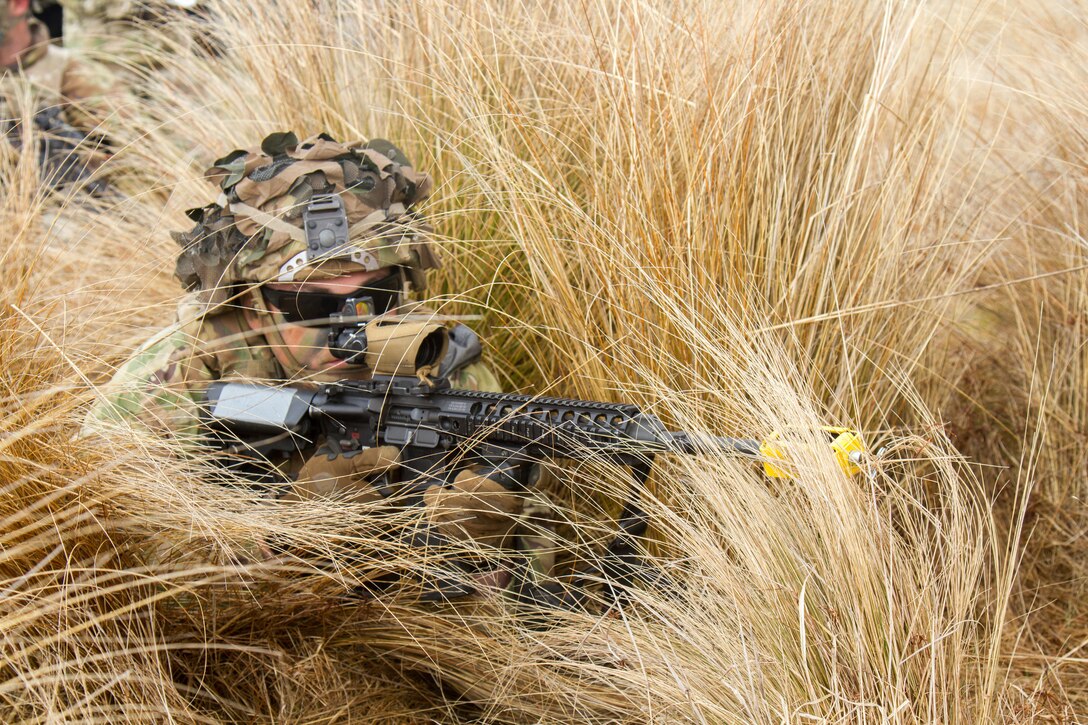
<point>292,211</point>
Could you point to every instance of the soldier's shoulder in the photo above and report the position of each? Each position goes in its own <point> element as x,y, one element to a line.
<point>60,77</point>
<point>48,67</point>
<point>196,333</point>
<point>84,80</point>
<point>476,376</point>
<point>158,362</point>
<point>163,374</point>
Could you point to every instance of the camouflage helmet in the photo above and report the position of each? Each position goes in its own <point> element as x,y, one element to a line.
<point>317,209</point>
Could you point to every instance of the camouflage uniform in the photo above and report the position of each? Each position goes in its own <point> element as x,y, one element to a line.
<point>253,236</point>
<point>57,78</point>
<point>118,28</point>
<point>65,101</point>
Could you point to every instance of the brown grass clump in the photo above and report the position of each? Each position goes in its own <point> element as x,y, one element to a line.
<point>744,218</point>
<point>1030,334</point>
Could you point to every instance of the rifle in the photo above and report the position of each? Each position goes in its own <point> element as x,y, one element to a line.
<point>440,430</point>
<point>61,151</point>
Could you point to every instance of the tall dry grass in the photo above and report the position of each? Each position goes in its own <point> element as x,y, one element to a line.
<point>746,218</point>
<point>1030,386</point>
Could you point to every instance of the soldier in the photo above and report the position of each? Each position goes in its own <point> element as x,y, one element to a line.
<point>260,298</point>
<point>133,36</point>
<point>66,96</point>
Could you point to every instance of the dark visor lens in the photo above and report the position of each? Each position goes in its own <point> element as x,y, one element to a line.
<point>297,306</point>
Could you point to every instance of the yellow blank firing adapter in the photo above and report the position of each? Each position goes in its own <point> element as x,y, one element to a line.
<point>846,444</point>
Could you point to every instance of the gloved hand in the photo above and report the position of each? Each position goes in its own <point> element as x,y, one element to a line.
<point>347,479</point>
<point>474,507</point>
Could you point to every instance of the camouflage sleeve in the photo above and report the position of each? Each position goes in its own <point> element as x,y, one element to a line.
<point>159,389</point>
<point>90,94</point>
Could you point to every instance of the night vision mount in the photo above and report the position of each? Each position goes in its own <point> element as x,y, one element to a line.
<point>327,234</point>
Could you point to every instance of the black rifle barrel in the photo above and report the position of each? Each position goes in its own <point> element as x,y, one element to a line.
<point>683,442</point>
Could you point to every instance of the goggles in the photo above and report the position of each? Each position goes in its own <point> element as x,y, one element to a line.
<point>373,298</point>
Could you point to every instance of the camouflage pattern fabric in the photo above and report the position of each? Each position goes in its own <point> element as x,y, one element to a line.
<point>56,78</point>
<point>129,35</point>
<point>64,101</point>
<point>161,387</point>
<point>253,233</point>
